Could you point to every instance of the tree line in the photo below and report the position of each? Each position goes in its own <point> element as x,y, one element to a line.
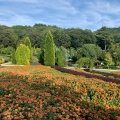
<point>10,36</point>
<point>102,45</point>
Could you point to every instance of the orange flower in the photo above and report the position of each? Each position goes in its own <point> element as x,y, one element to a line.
<point>6,113</point>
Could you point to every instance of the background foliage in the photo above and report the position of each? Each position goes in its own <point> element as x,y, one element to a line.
<point>86,43</point>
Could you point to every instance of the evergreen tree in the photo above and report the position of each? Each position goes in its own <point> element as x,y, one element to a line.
<point>22,55</point>
<point>64,52</point>
<point>108,60</point>
<point>65,55</point>
<point>59,58</point>
<point>49,50</point>
<point>41,55</point>
<point>13,57</point>
<point>73,54</point>
<point>28,43</point>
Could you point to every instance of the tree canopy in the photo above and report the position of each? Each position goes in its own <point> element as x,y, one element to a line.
<point>104,38</point>
<point>84,43</point>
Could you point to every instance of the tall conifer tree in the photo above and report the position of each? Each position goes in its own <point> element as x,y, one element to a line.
<point>49,50</point>
<point>27,42</point>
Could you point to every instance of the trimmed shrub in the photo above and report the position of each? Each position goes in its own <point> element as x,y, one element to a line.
<point>49,50</point>
<point>22,55</point>
<point>28,43</point>
<point>13,57</point>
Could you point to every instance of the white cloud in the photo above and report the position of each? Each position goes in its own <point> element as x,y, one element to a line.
<point>61,6</point>
<point>105,7</point>
<point>17,20</point>
<point>102,12</point>
<point>64,13</point>
<point>21,1</point>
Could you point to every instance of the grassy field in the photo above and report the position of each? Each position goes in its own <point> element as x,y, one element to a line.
<point>107,70</point>
<point>39,92</point>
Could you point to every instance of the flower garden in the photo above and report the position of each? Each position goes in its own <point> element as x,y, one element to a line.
<point>40,92</point>
<point>116,73</point>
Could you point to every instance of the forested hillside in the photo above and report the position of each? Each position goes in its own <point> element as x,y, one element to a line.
<point>102,45</point>
<point>72,37</point>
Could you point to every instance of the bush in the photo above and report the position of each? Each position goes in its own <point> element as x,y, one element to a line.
<point>27,42</point>
<point>13,57</point>
<point>49,50</point>
<point>1,60</point>
<point>7,50</point>
<point>41,56</point>
<point>59,58</point>
<point>22,55</point>
<point>85,61</point>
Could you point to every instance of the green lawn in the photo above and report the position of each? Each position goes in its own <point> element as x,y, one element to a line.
<point>106,70</point>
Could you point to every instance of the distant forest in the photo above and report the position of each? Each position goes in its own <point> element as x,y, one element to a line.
<point>105,39</point>
<point>71,37</point>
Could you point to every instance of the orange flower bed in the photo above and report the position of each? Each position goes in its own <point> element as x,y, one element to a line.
<point>116,73</point>
<point>40,92</point>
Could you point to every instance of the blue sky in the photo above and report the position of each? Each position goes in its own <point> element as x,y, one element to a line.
<point>84,14</point>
